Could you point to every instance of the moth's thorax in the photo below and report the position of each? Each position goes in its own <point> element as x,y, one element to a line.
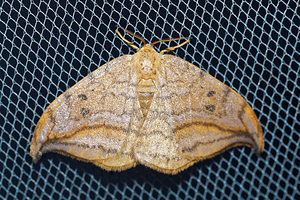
<point>146,62</point>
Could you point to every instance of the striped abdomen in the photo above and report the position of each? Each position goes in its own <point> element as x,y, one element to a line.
<point>145,92</point>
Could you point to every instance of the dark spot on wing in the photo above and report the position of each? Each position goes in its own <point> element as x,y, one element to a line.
<point>225,96</point>
<point>201,74</point>
<point>210,107</point>
<point>211,93</point>
<point>84,111</point>
<point>82,96</point>
<point>67,96</point>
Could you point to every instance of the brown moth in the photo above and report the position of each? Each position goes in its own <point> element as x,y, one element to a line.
<point>149,108</point>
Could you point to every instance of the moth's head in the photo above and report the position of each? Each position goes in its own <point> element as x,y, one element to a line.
<point>147,47</point>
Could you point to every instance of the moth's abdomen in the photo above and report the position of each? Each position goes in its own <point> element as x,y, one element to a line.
<point>145,92</point>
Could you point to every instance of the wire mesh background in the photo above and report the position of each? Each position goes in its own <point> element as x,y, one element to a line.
<point>253,47</point>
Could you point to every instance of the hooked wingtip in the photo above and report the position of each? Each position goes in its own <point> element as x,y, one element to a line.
<point>259,144</point>
<point>261,147</point>
<point>35,150</point>
<point>35,155</point>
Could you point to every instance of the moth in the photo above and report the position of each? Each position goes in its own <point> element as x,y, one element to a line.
<point>149,108</point>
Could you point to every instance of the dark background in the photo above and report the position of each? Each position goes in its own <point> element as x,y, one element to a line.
<point>47,47</point>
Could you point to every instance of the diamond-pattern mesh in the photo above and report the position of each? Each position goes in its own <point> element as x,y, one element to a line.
<point>48,46</point>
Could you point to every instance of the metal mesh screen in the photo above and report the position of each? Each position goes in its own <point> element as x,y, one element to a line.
<point>48,46</point>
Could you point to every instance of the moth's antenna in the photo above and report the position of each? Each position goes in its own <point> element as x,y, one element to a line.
<point>172,48</point>
<point>130,43</point>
